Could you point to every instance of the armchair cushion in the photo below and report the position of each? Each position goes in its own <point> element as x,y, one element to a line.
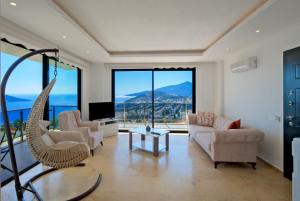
<point>68,144</point>
<point>91,131</point>
<point>59,136</point>
<point>93,125</point>
<point>47,139</point>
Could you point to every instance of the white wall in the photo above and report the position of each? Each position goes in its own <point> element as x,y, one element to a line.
<point>257,96</point>
<point>208,88</point>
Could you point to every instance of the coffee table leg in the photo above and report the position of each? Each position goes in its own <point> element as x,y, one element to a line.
<point>130,140</point>
<point>143,137</point>
<point>155,146</point>
<point>167,141</point>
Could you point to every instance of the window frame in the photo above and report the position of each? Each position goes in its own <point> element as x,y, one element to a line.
<point>193,69</point>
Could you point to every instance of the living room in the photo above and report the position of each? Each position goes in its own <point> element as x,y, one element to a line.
<point>184,100</point>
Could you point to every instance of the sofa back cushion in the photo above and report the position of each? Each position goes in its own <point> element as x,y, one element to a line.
<point>205,119</point>
<point>221,123</point>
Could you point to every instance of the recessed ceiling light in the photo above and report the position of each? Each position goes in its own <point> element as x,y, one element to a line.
<point>64,36</point>
<point>257,31</point>
<point>13,3</point>
<point>87,51</point>
<point>227,49</point>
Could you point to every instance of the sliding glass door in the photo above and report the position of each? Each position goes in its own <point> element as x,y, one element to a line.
<point>23,87</point>
<point>160,97</point>
<point>64,95</point>
<point>173,98</point>
<point>133,98</point>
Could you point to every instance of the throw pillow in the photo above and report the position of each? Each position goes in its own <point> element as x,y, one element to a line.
<point>205,119</point>
<point>235,124</point>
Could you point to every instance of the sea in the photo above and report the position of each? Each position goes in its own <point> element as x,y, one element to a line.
<point>58,102</point>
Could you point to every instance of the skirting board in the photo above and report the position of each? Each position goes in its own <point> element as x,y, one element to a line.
<point>270,165</point>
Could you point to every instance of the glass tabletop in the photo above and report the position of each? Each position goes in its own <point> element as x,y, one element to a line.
<point>154,131</point>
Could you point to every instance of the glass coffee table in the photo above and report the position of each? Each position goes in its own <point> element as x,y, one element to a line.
<point>154,147</point>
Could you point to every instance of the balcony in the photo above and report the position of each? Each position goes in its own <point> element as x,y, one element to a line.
<point>170,116</point>
<point>25,160</point>
<point>18,119</point>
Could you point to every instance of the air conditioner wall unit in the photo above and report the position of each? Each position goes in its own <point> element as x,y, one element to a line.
<point>244,65</point>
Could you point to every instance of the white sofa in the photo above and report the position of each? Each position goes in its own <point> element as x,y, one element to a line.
<point>223,144</point>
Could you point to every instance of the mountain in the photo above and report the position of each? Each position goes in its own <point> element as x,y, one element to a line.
<point>183,89</point>
<point>171,94</point>
<point>14,99</point>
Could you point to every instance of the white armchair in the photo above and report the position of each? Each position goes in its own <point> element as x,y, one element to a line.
<point>91,130</point>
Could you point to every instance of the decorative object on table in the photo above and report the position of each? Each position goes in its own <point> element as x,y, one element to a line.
<point>148,128</point>
<point>55,156</point>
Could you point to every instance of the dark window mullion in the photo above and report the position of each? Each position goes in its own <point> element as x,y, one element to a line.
<point>79,88</point>
<point>45,80</point>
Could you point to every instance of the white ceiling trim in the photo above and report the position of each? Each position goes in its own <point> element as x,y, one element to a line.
<point>154,53</point>
<point>18,34</point>
<point>76,24</point>
<point>155,65</point>
<point>161,53</point>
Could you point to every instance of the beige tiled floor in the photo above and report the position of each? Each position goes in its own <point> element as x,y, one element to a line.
<point>185,173</point>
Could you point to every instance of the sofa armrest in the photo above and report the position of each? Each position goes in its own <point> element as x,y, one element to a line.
<point>247,135</point>
<point>85,131</point>
<point>59,136</point>
<point>93,125</point>
<point>192,118</point>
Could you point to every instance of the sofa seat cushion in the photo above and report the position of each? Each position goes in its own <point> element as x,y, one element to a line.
<point>202,135</point>
<point>204,139</point>
<point>193,129</point>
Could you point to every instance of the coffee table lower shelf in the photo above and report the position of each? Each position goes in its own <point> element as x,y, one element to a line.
<point>152,146</point>
<point>147,145</point>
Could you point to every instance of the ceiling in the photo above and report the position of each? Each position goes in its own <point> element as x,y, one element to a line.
<point>156,25</point>
<point>120,31</point>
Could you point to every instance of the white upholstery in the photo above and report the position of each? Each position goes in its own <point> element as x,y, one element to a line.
<point>223,144</point>
<point>91,130</point>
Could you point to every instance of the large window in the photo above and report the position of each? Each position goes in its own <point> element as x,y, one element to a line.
<point>24,85</point>
<point>64,95</point>
<point>161,98</point>
<point>133,98</point>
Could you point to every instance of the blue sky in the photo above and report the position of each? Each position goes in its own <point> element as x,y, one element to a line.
<point>27,77</point>
<point>127,82</point>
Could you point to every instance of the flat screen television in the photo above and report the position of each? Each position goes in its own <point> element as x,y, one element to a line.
<point>101,110</point>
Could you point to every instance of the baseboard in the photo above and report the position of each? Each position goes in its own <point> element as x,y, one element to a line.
<point>270,165</point>
<point>124,130</point>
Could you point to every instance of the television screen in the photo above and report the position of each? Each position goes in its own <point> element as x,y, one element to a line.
<point>101,110</point>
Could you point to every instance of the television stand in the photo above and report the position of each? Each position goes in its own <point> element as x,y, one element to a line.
<point>110,126</point>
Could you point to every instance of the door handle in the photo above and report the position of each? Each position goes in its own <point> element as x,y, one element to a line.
<point>290,92</point>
